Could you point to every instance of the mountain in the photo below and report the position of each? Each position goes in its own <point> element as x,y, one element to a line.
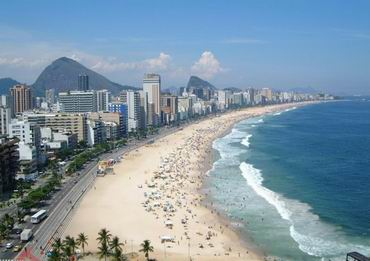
<point>197,82</point>
<point>172,90</point>
<point>6,84</point>
<point>62,75</point>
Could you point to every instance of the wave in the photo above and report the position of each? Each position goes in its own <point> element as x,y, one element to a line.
<point>245,141</point>
<point>314,237</point>
<point>286,110</point>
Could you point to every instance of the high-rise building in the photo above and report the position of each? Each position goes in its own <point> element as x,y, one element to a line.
<point>83,82</point>
<point>103,97</point>
<point>152,88</point>
<point>50,96</point>
<point>21,98</point>
<point>121,108</point>
<point>78,101</point>
<point>267,93</point>
<point>143,110</point>
<point>185,107</point>
<point>252,94</point>
<point>8,164</point>
<point>5,101</point>
<point>5,117</point>
<point>132,99</point>
<point>169,108</point>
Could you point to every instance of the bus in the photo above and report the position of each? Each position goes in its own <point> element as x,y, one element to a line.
<point>39,216</point>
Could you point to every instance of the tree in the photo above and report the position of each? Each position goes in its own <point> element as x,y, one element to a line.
<point>8,221</point>
<point>116,247</point>
<point>20,216</point>
<point>103,250</point>
<point>3,231</point>
<point>104,236</point>
<point>146,248</point>
<point>70,246</point>
<point>56,253</point>
<point>82,241</point>
<point>104,240</point>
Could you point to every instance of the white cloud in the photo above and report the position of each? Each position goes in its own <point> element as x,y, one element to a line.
<point>112,64</point>
<point>21,62</point>
<point>207,66</point>
<point>160,63</point>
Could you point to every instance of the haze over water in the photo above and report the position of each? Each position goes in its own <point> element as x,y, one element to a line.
<point>297,182</point>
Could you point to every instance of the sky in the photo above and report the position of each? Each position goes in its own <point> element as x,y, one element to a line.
<point>281,44</point>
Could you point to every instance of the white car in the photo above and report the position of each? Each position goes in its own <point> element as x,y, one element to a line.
<point>9,245</point>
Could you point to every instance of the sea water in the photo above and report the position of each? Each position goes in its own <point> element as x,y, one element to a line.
<point>297,182</point>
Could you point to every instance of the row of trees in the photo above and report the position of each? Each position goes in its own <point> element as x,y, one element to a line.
<point>35,196</point>
<point>109,247</point>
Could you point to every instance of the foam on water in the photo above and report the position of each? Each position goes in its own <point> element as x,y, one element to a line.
<point>245,141</point>
<point>313,236</point>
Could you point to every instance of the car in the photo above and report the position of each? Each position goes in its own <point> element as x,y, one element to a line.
<point>9,245</point>
<point>17,248</point>
<point>17,231</point>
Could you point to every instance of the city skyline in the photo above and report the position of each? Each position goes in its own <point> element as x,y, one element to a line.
<point>282,45</point>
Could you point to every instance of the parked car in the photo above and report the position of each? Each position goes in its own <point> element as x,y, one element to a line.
<point>9,245</point>
<point>17,248</point>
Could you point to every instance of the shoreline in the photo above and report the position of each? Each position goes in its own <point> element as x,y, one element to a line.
<point>191,148</point>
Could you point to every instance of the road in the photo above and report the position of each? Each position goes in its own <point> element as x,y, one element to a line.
<point>66,200</point>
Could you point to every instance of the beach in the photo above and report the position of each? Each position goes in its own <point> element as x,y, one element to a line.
<point>155,194</point>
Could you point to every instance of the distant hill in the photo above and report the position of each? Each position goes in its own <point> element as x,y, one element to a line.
<point>6,84</point>
<point>62,75</point>
<point>197,82</point>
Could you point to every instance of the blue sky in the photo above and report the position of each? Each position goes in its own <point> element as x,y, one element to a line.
<point>324,44</point>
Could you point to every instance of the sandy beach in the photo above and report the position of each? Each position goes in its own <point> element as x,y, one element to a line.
<point>155,194</point>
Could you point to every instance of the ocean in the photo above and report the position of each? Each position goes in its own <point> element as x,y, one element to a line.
<point>297,182</point>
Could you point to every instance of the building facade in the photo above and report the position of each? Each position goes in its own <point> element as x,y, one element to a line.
<point>5,118</point>
<point>21,97</point>
<point>132,100</point>
<point>78,101</point>
<point>152,89</point>
<point>103,98</point>
<point>8,164</point>
<point>83,82</point>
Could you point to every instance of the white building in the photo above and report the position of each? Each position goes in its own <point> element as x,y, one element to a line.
<point>185,106</point>
<point>5,118</point>
<point>103,98</point>
<point>78,101</point>
<point>132,100</point>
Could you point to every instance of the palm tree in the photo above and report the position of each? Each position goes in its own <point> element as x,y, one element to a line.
<point>57,248</point>
<point>9,221</point>
<point>116,246</point>
<point>103,251</point>
<point>104,236</point>
<point>82,241</point>
<point>20,217</point>
<point>104,240</point>
<point>70,246</point>
<point>3,231</point>
<point>146,248</point>
<point>117,255</point>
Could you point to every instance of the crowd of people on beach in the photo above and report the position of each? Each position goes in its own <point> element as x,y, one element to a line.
<point>172,192</point>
